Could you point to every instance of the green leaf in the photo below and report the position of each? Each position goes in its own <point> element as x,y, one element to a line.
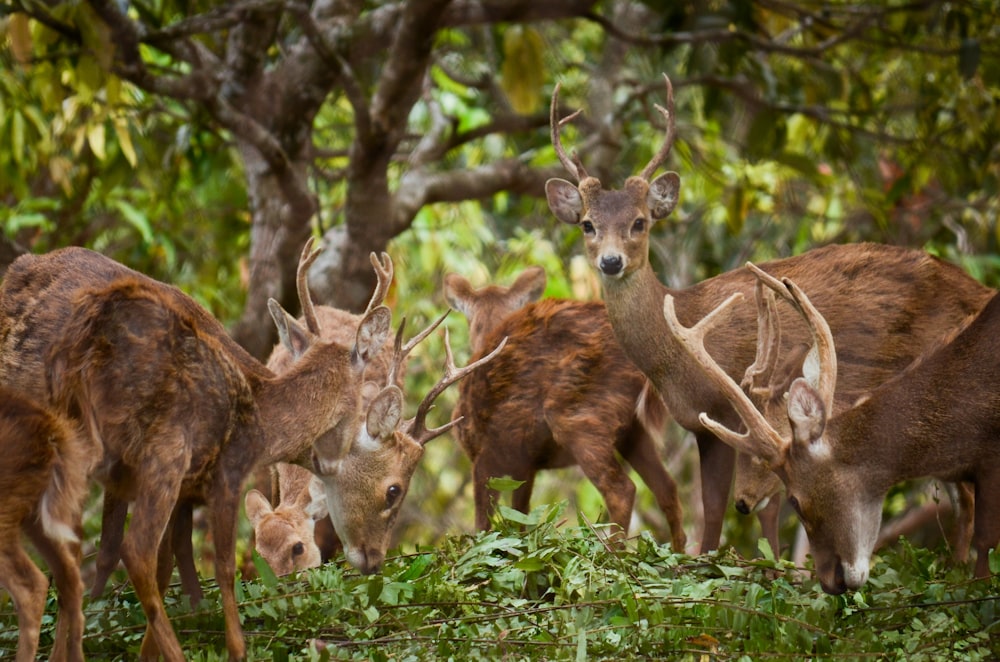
<point>264,570</point>
<point>504,484</point>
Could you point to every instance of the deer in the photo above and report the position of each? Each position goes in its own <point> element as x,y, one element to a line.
<point>182,413</point>
<point>838,467</point>
<point>296,532</point>
<point>44,469</point>
<point>561,394</point>
<point>285,535</point>
<point>886,304</point>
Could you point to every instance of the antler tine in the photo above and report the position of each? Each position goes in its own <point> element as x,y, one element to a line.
<point>823,351</point>
<point>574,165</point>
<point>417,426</point>
<point>668,142</point>
<point>384,273</point>
<point>761,438</point>
<point>401,351</point>
<point>306,260</point>
<point>757,377</point>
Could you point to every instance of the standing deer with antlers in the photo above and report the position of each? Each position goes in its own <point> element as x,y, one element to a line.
<point>886,304</point>
<point>182,414</point>
<point>562,393</point>
<point>837,468</point>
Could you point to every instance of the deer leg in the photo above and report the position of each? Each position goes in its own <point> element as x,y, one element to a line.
<point>158,493</point>
<point>644,458</point>
<point>964,504</point>
<point>224,513</point>
<point>717,463</point>
<point>28,587</point>
<point>489,466</point>
<point>181,531</point>
<point>113,514</point>
<point>987,525</point>
<point>768,516</point>
<point>63,560</point>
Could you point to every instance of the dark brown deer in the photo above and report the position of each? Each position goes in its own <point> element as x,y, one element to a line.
<point>43,470</point>
<point>182,413</point>
<point>838,468</point>
<point>561,394</point>
<point>885,305</point>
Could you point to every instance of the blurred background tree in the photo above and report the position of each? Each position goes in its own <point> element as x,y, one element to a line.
<point>202,142</point>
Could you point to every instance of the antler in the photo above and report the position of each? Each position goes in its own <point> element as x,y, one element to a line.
<point>401,351</point>
<point>823,356</point>
<point>416,427</point>
<point>761,438</point>
<point>757,378</point>
<point>308,256</point>
<point>384,273</point>
<point>668,142</point>
<point>574,165</point>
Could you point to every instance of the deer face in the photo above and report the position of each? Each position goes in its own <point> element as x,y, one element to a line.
<point>486,307</point>
<point>615,224</point>
<point>833,499</point>
<point>284,536</point>
<point>366,487</point>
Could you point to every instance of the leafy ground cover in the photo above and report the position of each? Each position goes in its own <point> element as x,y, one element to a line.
<point>539,588</point>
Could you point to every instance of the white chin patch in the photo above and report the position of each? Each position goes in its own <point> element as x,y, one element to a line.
<point>856,574</point>
<point>763,504</point>
<point>354,556</point>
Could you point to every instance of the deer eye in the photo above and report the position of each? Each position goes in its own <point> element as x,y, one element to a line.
<point>298,549</point>
<point>587,227</point>
<point>639,225</point>
<point>392,495</point>
<point>795,504</point>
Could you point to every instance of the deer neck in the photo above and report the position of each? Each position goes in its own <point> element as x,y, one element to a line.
<point>635,309</point>
<point>295,408</point>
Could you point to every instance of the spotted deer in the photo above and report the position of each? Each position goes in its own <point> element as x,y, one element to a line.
<point>886,305</point>
<point>182,413</point>
<point>43,470</point>
<point>562,393</point>
<point>838,467</point>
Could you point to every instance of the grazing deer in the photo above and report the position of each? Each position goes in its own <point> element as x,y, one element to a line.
<point>297,533</point>
<point>837,468</point>
<point>285,535</point>
<point>384,456</point>
<point>885,304</point>
<point>43,470</point>
<point>561,393</point>
<point>182,413</point>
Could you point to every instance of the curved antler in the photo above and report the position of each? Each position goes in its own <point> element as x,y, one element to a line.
<point>668,142</point>
<point>416,427</point>
<point>757,378</point>
<point>823,354</point>
<point>574,165</point>
<point>306,260</point>
<point>383,273</point>
<point>761,438</point>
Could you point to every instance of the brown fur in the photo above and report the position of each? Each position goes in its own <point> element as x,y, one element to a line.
<point>182,413</point>
<point>43,470</point>
<point>561,393</point>
<point>885,305</point>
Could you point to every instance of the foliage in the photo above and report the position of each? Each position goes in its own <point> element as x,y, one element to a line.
<point>538,587</point>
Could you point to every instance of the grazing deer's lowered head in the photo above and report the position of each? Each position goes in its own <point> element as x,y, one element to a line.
<point>365,486</point>
<point>838,468</point>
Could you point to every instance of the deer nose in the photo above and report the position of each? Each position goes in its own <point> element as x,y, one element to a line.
<point>611,265</point>
<point>839,584</point>
<point>372,561</point>
<point>743,507</point>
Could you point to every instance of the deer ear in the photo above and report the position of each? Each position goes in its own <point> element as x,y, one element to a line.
<point>257,506</point>
<point>565,200</point>
<point>458,293</point>
<point>384,413</point>
<point>372,333</point>
<point>805,412</point>
<point>293,335</point>
<point>664,192</point>
<point>529,286</point>
<point>315,508</point>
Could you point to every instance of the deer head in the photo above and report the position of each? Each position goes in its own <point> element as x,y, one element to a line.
<point>284,535</point>
<point>615,224</point>
<point>838,507</point>
<point>365,487</point>
<point>487,307</point>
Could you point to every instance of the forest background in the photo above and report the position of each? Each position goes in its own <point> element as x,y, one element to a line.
<point>202,142</point>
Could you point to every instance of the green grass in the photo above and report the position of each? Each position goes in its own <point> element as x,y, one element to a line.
<point>539,588</point>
